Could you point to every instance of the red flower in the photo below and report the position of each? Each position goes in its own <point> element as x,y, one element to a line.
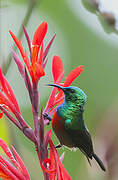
<point>36,63</point>
<point>14,170</point>
<point>55,168</point>
<point>8,103</point>
<point>7,97</point>
<point>58,73</point>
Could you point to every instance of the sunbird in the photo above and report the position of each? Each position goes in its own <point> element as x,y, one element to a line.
<point>68,123</point>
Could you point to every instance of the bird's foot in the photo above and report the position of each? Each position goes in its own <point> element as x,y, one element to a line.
<point>47,117</point>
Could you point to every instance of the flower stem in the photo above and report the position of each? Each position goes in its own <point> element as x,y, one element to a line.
<point>35,107</point>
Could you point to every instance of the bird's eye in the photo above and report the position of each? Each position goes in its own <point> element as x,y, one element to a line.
<point>72,91</point>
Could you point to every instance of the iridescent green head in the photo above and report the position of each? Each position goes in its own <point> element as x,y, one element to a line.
<point>72,94</point>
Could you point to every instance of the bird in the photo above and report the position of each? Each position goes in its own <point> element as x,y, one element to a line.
<point>68,123</point>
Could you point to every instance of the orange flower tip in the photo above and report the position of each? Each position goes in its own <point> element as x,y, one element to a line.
<point>40,34</point>
<point>57,67</point>
<point>45,25</point>
<point>81,66</point>
<point>55,56</point>
<point>10,32</point>
<point>12,35</point>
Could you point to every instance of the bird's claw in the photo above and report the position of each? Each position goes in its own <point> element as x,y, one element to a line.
<point>47,117</point>
<point>58,146</point>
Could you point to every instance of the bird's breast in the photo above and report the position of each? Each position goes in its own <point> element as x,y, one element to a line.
<point>57,124</point>
<point>60,132</point>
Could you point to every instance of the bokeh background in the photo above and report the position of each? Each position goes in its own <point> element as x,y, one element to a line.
<point>84,36</point>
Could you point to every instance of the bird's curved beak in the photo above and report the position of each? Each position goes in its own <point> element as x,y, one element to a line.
<point>57,86</point>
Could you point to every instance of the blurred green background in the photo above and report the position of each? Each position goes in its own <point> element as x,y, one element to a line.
<point>80,40</point>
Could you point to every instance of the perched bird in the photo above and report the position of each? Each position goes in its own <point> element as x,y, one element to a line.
<point>68,123</point>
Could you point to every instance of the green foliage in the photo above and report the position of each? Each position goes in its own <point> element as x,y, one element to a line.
<point>4,130</point>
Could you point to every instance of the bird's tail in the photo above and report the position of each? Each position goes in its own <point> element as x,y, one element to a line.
<point>99,162</point>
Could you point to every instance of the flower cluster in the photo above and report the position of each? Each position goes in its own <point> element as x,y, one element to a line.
<point>14,170</point>
<point>36,63</point>
<point>31,70</point>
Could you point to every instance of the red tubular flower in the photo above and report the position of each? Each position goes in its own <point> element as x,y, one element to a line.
<point>54,165</point>
<point>58,73</point>
<point>36,63</point>
<point>7,97</point>
<point>14,170</point>
<point>8,104</point>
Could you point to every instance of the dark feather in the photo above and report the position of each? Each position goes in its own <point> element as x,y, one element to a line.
<point>82,140</point>
<point>99,162</point>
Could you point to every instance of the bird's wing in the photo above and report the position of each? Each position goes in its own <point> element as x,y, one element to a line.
<point>82,140</point>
